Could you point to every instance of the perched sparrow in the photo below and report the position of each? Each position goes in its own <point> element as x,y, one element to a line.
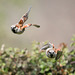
<point>51,51</point>
<point>19,28</point>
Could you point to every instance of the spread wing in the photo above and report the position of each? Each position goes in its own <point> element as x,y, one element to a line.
<point>48,45</point>
<point>59,53</point>
<point>24,17</point>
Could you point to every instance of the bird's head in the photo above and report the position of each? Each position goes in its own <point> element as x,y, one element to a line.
<point>50,53</point>
<point>13,28</point>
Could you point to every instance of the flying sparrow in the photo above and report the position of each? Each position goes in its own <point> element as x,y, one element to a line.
<point>19,28</point>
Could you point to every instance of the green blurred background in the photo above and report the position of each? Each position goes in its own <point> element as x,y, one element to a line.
<point>56,18</point>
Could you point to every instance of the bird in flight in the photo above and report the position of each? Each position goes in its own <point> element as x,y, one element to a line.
<point>51,51</point>
<point>19,27</point>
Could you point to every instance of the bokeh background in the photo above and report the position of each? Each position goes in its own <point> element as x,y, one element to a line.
<point>56,18</point>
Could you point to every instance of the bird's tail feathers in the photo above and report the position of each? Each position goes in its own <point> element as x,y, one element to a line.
<point>38,26</point>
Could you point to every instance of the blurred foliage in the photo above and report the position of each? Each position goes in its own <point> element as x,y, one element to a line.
<point>14,61</point>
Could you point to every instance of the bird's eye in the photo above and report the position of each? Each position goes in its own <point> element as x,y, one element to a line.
<point>50,52</point>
